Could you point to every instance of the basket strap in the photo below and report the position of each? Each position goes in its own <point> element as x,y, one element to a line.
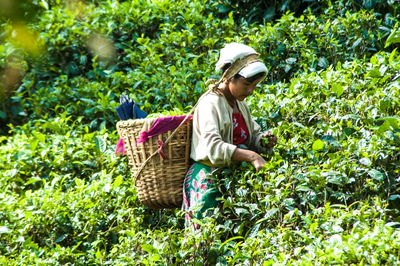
<point>169,138</point>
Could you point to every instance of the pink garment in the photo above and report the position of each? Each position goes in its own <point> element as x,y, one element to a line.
<point>162,124</point>
<point>120,149</point>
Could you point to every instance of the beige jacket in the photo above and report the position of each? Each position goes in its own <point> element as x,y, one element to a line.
<point>212,134</point>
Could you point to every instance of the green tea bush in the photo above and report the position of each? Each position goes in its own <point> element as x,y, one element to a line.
<point>328,194</point>
<point>118,47</point>
<point>347,148</point>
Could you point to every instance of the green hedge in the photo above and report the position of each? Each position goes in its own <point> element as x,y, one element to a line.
<point>328,195</point>
<point>144,46</point>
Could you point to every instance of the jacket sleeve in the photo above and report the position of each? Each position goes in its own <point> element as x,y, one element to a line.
<point>208,125</point>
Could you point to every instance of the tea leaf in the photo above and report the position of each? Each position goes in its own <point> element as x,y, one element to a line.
<point>376,175</point>
<point>318,145</point>
<point>100,144</point>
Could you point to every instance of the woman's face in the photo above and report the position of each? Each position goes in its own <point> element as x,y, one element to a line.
<point>241,88</point>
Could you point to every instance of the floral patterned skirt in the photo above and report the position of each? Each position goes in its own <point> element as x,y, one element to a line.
<point>200,192</point>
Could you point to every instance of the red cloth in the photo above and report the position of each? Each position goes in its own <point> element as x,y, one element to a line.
<point>120,149</point>
<point>162,124</point>
<point>240,130</point>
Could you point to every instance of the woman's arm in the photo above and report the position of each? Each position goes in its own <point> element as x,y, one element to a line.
<point>249,156</point>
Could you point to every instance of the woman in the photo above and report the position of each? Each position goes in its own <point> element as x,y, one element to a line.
<point>223,129</point>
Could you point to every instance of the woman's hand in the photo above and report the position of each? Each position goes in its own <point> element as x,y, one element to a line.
<point>268,140</point>
<point>258,163</point>
<point>249,156</point>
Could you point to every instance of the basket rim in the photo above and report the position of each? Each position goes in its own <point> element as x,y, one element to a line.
<point>135,121</point>
<point>139,121</point>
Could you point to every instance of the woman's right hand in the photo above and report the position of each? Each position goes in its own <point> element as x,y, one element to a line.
<point>258,163</point>
<point>268,139</point>
<point>249,156</point>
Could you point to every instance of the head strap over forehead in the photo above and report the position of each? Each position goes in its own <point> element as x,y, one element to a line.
<point>238,65</point>
<point>233,69</point>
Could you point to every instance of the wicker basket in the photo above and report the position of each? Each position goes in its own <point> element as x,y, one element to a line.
<point>159,181</point>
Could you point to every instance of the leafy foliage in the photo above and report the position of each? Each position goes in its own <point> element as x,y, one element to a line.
<point>328,195</point>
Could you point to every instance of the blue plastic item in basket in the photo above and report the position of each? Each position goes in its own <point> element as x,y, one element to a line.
<point>128,109</point>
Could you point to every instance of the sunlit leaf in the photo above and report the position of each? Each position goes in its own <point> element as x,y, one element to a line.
<point>394,37</point>
<point>377,175</point>
<point>365,161</point>
<point>100,144</point>
<point>44,4</point>
<point>318,145</point>
<point>4,230</point>
<point>337,89</point>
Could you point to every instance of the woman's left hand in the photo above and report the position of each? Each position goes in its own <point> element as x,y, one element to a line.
<point>268,139</point>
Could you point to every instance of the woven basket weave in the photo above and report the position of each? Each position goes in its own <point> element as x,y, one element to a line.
<point>159,182</point>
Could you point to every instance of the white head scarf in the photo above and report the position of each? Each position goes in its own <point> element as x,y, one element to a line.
<point>233,51</point>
